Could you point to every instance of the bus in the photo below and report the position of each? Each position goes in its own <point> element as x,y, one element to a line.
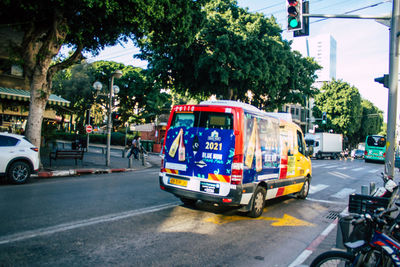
<point>375,148</point>
<point>231,153</point>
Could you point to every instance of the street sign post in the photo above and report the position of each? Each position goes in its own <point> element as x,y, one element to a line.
<point>89,128</point>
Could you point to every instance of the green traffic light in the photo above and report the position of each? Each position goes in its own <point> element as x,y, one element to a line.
<point>293,23</point>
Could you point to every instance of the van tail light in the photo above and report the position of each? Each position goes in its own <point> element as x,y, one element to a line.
<point>35,149</point>
<point>384,155</point>
<point>237,169</point>
<point>365,152</point>
<point>162,159</point>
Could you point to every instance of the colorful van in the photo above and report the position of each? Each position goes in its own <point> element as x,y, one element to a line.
<point>231,153</point>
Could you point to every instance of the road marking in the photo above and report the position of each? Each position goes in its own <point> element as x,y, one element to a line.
<point>315,243</point>
<point>326,201</point>
<point>330,167</point>
<point>358,169</point>
<point>372,171</point>
<point>316,188</point>
<point>82,223</point>
<point>341,175</point>
<point>286,220</point>
<point>345,192</point>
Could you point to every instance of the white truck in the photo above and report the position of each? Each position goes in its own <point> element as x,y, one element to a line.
<point>321,145</point>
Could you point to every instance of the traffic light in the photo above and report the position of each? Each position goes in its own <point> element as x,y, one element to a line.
<point>383,80</point>
<point>305,31</point>
<point>294,14</point>
<point>323,117</point>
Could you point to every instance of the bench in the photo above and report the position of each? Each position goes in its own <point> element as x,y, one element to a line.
<point>67,154</point>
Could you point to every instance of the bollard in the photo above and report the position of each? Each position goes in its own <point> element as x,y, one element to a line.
<point>371,187</point>
<point>123,153</point>
<point>344,228</point>
<point>364,190</point>
<point>130,159</point>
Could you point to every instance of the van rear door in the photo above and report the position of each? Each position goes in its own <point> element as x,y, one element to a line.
<point>199,146</point>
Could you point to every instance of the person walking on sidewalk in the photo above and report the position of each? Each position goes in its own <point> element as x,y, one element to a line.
<point>134,148</point>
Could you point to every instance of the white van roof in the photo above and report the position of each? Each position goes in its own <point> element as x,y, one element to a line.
<point>231,103</point>
<point>279,115</point>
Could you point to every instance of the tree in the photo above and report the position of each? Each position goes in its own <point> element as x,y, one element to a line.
<point>86,26</point>
<point>75,84</point>
<point>138,92</point>
<point>371,120</point>
<point>342,104</point>
<point>235,55</point>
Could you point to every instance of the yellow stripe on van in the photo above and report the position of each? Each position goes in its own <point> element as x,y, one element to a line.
<point>219,177</point>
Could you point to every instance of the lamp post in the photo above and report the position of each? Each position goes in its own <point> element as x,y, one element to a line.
<point>113,90</point>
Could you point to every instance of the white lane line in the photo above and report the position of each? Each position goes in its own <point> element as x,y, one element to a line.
<point>345,192</point>
<point>316,188</point>
<point>82,223</point>
<point>326,201</point>
<point>315,243</point>
<point>341,175</point>
<point>330,167</point>
<point>358,169</point>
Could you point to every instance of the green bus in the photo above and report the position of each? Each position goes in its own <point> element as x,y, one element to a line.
<point>375,148</point>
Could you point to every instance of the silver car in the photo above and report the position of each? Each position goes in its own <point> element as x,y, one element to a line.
<point>19,158</point>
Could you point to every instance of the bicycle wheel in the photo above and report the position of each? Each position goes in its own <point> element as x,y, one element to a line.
<point>333,258</point>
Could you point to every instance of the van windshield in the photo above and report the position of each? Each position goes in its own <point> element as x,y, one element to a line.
<point>213,120</point>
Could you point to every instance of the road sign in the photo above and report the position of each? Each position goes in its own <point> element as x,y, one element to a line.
<point>89,128</point>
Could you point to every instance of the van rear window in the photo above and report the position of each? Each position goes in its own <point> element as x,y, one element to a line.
<point>213,120</point>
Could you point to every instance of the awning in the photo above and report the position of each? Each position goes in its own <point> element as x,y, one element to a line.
<point>148,127</point>
<point>24,95</point>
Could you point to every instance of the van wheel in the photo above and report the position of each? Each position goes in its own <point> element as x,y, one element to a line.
<point>304,190</point>
<point>257,205</point>
<point>188,201</point>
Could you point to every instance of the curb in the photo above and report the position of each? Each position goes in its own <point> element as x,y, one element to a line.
<point>49,174</point>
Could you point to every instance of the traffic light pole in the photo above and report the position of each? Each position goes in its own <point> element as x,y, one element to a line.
<point>393,84</point>
<point>393,75</point>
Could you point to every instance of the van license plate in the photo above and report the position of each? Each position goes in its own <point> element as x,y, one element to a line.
<point>178,182</point>
<point>209,187</point>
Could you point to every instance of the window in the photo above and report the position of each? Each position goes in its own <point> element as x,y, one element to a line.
<point>8,141</point>
<point>378,141</point>
<point>214,120</point>
<point>300,143</point>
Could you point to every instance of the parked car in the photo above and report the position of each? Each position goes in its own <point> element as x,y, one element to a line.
<point>358,154</point>
<point>19,158</point>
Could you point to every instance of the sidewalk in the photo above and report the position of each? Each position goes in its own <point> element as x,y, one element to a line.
<point>94,161</point>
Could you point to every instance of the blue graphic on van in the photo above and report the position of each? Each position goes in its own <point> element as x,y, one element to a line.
<point>207,151</point>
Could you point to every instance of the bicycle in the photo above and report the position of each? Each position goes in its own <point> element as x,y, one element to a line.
<point>376,248</point>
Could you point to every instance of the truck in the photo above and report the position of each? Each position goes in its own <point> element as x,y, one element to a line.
<point>322,145</point>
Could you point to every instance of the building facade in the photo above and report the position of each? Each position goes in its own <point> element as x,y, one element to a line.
<point>14,89</point>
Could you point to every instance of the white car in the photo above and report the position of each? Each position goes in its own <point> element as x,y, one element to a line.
<point>19,158</point>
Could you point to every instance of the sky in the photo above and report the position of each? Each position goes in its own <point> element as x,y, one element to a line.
<point>362,44</point>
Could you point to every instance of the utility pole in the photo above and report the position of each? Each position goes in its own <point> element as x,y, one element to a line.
<point>393,84</point>
<point>393,74</point>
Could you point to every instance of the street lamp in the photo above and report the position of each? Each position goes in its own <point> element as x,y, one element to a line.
<point>114,91</point>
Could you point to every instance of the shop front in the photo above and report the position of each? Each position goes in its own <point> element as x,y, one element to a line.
<point>14,109</point>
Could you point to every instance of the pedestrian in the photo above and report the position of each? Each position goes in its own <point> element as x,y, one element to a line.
<point>134,148</point>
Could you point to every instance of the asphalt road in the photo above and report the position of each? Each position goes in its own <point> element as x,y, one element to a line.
<point>124,219</point>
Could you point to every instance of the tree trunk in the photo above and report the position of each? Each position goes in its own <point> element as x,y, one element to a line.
<point>37,108</point>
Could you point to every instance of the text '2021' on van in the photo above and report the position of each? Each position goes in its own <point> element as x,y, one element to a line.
<point>231,153</point>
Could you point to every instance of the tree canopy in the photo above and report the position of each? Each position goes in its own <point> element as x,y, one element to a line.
<point>347,113</point>
<point>46,25</point>
<point>235,55</point>
<point>139,99</point>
